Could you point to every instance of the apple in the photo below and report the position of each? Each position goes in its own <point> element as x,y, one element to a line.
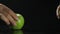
<point>19,23</point>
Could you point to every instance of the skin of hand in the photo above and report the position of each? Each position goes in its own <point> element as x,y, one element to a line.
<point>7,15</point>
<point>58,12</point>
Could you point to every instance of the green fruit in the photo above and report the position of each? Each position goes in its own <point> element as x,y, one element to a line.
<point>19,23</point>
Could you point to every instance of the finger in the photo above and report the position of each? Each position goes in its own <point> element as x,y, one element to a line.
<point>57,11</point>
<point>1,8</point>
<point>13,15</point>
<point>5,8</point>
<point>10,18</point>
<point>4,19</point>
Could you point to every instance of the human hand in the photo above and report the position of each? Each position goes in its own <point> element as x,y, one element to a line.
<point>7,15</point>
<point>58,12</point>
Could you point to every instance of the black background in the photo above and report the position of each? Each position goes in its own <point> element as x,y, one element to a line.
<point>37,18</point>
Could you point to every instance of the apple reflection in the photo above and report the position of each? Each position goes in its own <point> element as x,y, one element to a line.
<point>18,32</point>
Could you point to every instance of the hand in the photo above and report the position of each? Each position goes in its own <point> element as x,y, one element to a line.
<point>7,15</point>
<point>58,12</point>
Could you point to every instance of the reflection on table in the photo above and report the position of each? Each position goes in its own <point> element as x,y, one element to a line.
<point>18,32</point>
<point>12,32</point>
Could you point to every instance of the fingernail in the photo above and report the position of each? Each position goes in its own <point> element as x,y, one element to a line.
<point>8,23</point>
<point>0,4</point>
<point>17,19</point>
<point>14,24</point>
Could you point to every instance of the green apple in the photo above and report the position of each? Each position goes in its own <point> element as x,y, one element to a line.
<point>19,23</point>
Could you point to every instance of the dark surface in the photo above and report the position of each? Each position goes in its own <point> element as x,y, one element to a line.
<point>37,19</point>
<point>20,32</point>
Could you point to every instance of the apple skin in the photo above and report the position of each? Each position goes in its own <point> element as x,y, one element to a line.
<point>19,23</point>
